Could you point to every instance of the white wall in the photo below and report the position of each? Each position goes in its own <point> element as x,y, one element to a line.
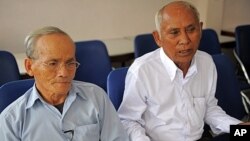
<point>104,19</point>
<point>223,14</point>
<point>235,12</point>
<point>82,19</point>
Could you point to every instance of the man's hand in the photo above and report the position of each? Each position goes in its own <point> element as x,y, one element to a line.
<point>244,123</point>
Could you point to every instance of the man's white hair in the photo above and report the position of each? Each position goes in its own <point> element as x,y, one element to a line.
<point>159,14</point>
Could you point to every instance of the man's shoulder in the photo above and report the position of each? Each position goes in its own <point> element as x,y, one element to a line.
<point>17,107</point>
<point>203,56</point>
<point>204,60</point>
<point>146,60</point>
<point>85,85</point>
<point>86,89</point>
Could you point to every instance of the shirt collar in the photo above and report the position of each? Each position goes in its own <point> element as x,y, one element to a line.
<point>172,68</point>
<point>77,91</point>
<point>33,97</point>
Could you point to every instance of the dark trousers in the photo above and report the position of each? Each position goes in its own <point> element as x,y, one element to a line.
<point>223,137</point>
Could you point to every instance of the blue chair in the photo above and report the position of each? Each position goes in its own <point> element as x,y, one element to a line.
<point>9,69</point>
<point>143,44</point>
<point>115,85</point>
<point>95,62</point>
<point>10,91</point>
<point>210,42</point>
<point>242,50</point>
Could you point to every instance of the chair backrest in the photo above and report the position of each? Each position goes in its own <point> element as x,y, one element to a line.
<point>115,85</point>
<point>210,42</point>
<point>242,39</point>
<point>9,69</point>
<point>228,90</point>
<point>241,53</point>
<point>10,91</point>
<point>144,43</point>
<point>95,62</point>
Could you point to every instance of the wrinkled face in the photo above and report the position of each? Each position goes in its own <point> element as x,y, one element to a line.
<point>180,34</point>
<point>51,68</point>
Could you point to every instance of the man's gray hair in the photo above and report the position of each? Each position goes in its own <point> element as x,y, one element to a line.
<point>159,14</point>
<point>31,39</point>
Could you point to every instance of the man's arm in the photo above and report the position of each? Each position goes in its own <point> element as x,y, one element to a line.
<point>111,127</point>
<point>216,117</point>
<point>132,108</point>
<point>7,132</point>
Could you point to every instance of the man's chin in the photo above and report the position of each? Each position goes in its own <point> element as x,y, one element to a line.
<point>65,86</point>
<point>63,83</point>
<point>62,90</point>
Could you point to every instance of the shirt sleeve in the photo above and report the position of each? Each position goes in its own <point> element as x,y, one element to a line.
<point>132,108</point>
<point>111,127</point>
<point>8,131</point>
<point>216,117</point>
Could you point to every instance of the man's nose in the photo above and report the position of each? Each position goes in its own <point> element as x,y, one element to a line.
<point>63,70</point>
<point>184,38</point>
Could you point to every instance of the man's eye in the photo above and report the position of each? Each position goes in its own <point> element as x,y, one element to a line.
<point>190,29</point>
<point>71,64</point>
<point>52,63</point>
<point>174,32</point>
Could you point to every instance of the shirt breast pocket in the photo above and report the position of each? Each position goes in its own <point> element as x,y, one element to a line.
<point>200,106</point>
<point>87,132</point>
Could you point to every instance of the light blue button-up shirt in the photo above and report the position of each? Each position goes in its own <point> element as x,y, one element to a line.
<point>88,115</point>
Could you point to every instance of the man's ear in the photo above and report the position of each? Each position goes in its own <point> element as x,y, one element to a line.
<point>157,38</point>
<point>28,66</point>
<point>201,24</point>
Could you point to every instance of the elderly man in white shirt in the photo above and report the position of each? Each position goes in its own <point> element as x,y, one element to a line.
<point>170,92</point>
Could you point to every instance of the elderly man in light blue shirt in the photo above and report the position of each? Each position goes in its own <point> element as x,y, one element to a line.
<point>57,108</point>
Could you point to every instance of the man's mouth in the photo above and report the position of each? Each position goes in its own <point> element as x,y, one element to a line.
<point>185,52</point>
